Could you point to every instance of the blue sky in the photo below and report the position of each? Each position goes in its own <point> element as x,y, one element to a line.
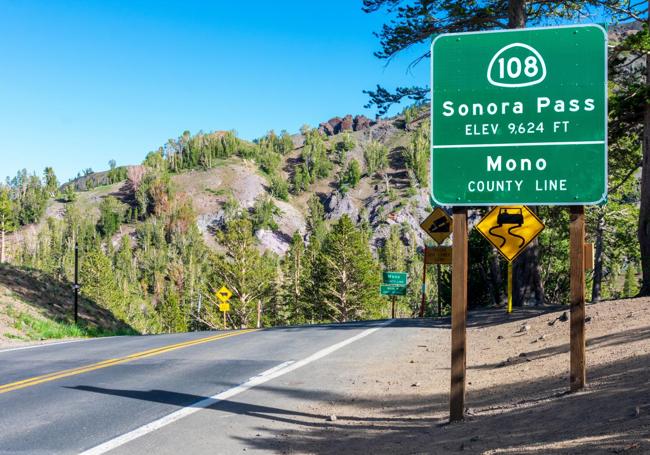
<point>83,82</point>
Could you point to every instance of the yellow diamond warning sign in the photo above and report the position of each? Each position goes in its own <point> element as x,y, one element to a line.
<point>510,229</point>
<point>437,225</point>
<point>224,294</point>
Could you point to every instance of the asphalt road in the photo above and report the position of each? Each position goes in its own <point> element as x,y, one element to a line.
<point>135,394</point>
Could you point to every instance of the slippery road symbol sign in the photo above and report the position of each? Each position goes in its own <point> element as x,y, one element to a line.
<point>224,294</point>
<point>510,229</point>
<point>438,225</point>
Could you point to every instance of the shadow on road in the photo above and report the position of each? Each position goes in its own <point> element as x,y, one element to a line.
<point>610,416</point>
<point>475,318</point>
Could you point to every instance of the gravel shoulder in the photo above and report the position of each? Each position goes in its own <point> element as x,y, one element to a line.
<point>392,397</point>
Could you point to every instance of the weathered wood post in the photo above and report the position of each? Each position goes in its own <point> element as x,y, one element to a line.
<point>458,315</point>
<point>577,273</point>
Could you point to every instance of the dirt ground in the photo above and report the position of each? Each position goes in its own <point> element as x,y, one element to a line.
<point>517,382</point>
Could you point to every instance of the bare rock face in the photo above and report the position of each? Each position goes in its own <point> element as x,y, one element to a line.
<point>326,128</point>
<point>334,122</point>
<point>337,125</point>
<point>361,122</point>
<point>273,241</point>
<point>338,205</point>
<point>383,214</point>
<point>346,124</point>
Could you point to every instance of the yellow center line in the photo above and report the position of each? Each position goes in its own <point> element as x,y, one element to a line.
<point>111,362</point>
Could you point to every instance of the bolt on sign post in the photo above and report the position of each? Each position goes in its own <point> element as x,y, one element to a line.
<point>438,226</point>
<point>224,294</point>
<point>510,229</point>
<point>518,117</point>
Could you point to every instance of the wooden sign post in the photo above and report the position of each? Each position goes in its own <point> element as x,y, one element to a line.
<point>437,255</point>
<point>458,315</point>
<point>468,169</point>
<point>439,226</point>
<point>577,272</point>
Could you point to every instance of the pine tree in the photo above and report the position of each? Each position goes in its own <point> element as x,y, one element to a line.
<point>346,145</point>
<point>416,155</point>
<point>247,273</point>
<point>393,254</point>
<point>293,270</point>
<point>352,174</point>
<point>6,220</point>
<point>376,156</point>
<point>264,213</point>
<point>110,216</point>
<point>316,228</point>
<point>98,281</point>
<point>346,274</point>
<point>173,317</point>
<point>416,21</point>
<point>51,182</point>
<point>630,285</point>
<point>69,194</point>
<point>316,164</point>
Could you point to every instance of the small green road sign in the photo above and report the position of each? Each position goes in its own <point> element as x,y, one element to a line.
<point>389,289</point>
<point>395,278</point>
<point>519,117</point>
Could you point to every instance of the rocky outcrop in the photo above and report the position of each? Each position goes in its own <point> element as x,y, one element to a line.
<point>272,241</point>
<point>361,122</point>
<point>337,125</point>
<point>347,123</point>
<point>338,205</point>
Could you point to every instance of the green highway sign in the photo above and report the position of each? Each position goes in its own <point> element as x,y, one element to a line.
<point>389,289</point>
<point>395,278</point>
<point>519,117</point>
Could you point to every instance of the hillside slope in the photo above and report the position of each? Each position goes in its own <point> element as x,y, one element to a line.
<point>36,307</point>
<point>381,199</point>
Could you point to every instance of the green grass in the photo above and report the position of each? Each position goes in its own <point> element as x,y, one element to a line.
<point>34,328</point>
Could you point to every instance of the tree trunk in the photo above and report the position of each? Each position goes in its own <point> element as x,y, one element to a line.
<point>2,246</point>
<point>598,256</point>
<point>517,14</point>
<point>526,277</point>
<point>259,313</point>
<point>644,214</point>
<point>497,279</point>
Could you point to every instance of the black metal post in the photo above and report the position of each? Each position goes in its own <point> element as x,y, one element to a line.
<point>76,282</point>
<point>438,281</point>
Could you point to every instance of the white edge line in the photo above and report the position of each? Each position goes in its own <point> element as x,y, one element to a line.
<point>277,371</point>
<point>520,144</point>
<point>44,345</point>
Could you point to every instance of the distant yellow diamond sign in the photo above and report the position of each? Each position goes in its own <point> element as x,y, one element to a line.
<point>224,307</point>
<point>510,229</point>
<point>224,294</point>
<point>438,225</point>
